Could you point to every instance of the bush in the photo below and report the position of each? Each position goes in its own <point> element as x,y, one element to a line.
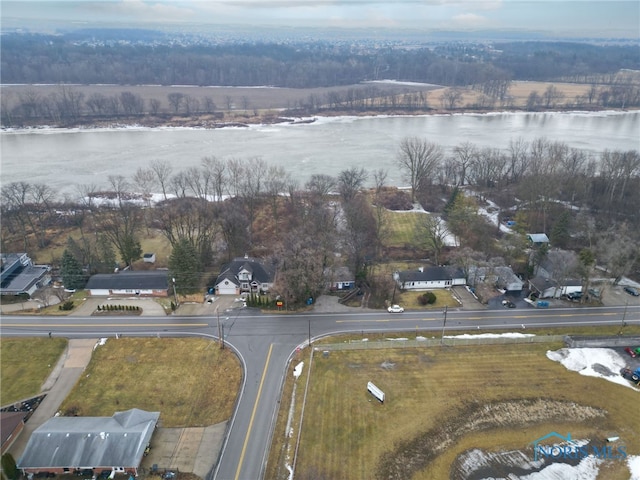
<point>427,298</point>
<point>66,306</point>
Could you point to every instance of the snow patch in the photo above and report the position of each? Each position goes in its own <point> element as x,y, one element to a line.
<point>492,335</point>
<point>297,371</point>
<point>101,342</point>
<point>592,362</point>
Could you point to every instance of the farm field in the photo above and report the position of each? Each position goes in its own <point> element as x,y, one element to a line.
<point>440,403</point>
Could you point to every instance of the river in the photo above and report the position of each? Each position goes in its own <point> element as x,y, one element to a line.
<point>68,158</point>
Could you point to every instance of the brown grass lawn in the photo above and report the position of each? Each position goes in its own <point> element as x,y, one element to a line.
<point>25,364</point>
<point>347,433</point>
<point>191,382</point>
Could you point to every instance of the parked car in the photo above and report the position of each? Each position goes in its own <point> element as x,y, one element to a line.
<point>574,296</point>
<point>395,309</point>
<point>508,304</point>
<point>632,291</point>
<point>630,352</point>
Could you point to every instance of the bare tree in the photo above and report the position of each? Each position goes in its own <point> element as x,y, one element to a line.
<point>432,232</point>
<point>350,181</point>
<point>465,154</point>
<point>175,100</point>
<point>216,170</point>
<point>418,159</point>
<point>162,170</point>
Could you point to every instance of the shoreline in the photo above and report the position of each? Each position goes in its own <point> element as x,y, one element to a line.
<point>206,123</point>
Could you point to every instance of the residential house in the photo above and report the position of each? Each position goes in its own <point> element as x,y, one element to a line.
<point>244,275</point>
<point>430,278</point>
<point>71,444</point>
<point>555,275</point>
<point>501,277</point>
<point>143,283</point>
<point>339,278</point>
<point>18,274</point>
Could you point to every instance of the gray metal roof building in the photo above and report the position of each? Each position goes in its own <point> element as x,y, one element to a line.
<point>65,443</point>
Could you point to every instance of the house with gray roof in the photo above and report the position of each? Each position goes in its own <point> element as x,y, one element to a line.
<point>67,444</point>
<point>142,283</point>
<point>501,277</point>
<point>18,274</point>
<point>244,274</point>
<point>430,278</point>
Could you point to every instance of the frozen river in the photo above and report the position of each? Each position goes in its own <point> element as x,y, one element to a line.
<point>68,158</point>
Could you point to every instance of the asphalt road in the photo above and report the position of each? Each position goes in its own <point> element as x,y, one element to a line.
<point>265,343</point>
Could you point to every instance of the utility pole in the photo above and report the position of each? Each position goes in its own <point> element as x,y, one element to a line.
<point>444,324</point>
<point>219,330</point>
<point>309,320</point>
<point>624,317</point>
<point>175,295</point>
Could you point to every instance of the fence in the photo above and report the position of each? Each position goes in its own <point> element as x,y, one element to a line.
<point>436,342</point>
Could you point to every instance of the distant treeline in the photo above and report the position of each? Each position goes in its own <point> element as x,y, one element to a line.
<point>67,59</point>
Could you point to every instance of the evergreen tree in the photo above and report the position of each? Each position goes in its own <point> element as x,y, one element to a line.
<point>9,466</point>
<point>71,271</point>
<point>185,267</point>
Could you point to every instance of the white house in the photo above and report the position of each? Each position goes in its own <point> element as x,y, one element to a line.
<point>143,283</point>
<point>244,274</point>
<point>430,278</point>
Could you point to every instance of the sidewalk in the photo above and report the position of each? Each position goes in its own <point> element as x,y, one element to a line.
<point>62,379</point>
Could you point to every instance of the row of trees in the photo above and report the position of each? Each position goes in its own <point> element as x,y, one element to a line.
<point>226,208</point>
<point>69,58</point>
<point>69,106</point>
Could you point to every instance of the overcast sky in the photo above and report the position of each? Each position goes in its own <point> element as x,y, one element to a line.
<point>598,18</point>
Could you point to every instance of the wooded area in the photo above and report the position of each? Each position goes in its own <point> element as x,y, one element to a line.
<point>488,70</point>
<point>227,208</point>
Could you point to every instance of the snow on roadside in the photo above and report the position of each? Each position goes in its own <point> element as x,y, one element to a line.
<point>492,335</point>
<point>633,462</point>
<point>590,362</point>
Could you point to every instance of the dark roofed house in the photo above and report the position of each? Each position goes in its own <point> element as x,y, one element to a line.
<point>143,283</point>
<point>430,278</point>
<point>18,274</point>
<point>64,444</point>
<point>244,274</point>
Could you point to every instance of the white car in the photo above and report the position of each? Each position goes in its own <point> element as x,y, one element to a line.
<point>395,309</point>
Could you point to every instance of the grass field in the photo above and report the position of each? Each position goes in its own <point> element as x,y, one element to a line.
<point>25,363</point>
<point>493,397</point>
<point>191,382</point>
<point>402,228</point>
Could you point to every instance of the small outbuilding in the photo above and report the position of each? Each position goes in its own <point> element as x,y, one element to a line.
<point>537,238</point>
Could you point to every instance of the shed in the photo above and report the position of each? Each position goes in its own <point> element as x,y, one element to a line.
<point>538,238</point>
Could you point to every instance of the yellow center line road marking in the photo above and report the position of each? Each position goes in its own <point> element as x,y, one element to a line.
<point>253,414</point>
<point>103,325</point>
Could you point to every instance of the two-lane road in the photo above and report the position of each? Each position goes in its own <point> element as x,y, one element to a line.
<point>265,344</point>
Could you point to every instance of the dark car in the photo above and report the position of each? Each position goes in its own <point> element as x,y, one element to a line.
<point>508,304</point>
<point>574,296</point>
<point>632,291</point>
